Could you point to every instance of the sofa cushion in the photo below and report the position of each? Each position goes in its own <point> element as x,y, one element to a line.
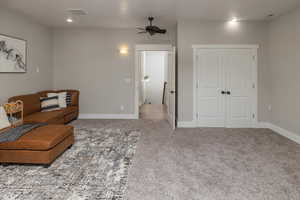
<point>31,103</point>
<point>40,139</point>
<point>69,99</point>
<point>62,98</point>
<point>74,95</point>
<point>49,104</point>
<point>44,116</point>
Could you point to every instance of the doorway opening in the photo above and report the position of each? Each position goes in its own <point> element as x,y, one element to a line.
<point>154,79</point>
<point>155,82</point>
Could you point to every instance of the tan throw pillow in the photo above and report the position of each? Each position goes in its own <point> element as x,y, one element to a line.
<point>4,123</point>
<point>61,98</point>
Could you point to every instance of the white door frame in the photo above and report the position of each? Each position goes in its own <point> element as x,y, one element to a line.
<point>254,49</point>
<point>139,48</point>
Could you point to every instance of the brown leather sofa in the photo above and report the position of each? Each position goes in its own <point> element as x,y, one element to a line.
<point>32,108</point>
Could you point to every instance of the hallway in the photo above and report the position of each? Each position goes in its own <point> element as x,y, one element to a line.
<point>154,112</point>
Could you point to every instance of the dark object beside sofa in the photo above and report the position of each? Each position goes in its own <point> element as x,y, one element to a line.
<point>32,108</point>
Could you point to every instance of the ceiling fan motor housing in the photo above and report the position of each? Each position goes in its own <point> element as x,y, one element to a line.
<point>152,30</point>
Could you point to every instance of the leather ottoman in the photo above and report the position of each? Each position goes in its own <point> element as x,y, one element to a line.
<point>40,146</point>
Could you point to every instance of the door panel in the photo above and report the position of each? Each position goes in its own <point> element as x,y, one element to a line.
<point>238,66</point>
<point>172,88</point>
<point>210,83</point>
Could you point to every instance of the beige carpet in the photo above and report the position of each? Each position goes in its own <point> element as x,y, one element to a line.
<point>209,164</point>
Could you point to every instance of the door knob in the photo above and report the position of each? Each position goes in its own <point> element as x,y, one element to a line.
<point>172,92</point>
<point>228,93</point>
<point>223,92</point>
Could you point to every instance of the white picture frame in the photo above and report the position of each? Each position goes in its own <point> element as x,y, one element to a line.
<point>13,54</point>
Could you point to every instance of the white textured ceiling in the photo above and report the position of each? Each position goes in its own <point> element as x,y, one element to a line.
<point>130,13</point>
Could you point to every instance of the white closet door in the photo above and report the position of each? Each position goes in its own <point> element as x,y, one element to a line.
<point>225,94</point>
<point>238,66</point>
<point>210,84</point>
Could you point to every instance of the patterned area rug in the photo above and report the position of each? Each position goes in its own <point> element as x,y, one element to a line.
<point>95,168</point>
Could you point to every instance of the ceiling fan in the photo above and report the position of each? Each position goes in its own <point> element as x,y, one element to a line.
<point>152,30</point>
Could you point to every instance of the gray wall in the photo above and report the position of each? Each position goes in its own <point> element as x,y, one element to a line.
<point>39,41</point>
<point>284,40</point>
<point>195,32</point>
<point>89,60</point>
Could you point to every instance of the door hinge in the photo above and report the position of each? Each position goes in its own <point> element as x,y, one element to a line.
<point>254,57</point>
<point>253,85</point>
<point>197,115</point>
<point>197,85</point>
<point>253,116</point>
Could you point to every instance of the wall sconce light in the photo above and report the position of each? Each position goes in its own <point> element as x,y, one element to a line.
<point>69,20</point>
<point>233,24</point>
<point>233,20</point>
<point>124,50</point>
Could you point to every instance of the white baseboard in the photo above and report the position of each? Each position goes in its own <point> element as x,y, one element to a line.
<point>108,116</point>
<point>263,125</point>
<point>186,124</point>
<point>193,124</point>
<point>281,131</point>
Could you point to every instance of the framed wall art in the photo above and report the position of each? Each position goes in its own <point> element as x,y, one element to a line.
<point>13,54</point>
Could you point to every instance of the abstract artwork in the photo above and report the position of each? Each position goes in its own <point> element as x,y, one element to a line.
<point>12,54</point>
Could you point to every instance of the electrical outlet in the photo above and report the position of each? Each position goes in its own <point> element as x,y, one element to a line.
<point>37,70</point>
<point>122,108</point>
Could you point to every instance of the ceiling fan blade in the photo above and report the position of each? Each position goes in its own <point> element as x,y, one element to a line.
<point>138,28</point>
<point>141,32</point>
<point>162,31</point>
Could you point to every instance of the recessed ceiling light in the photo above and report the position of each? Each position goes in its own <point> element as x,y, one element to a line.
<point>69,20</point>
